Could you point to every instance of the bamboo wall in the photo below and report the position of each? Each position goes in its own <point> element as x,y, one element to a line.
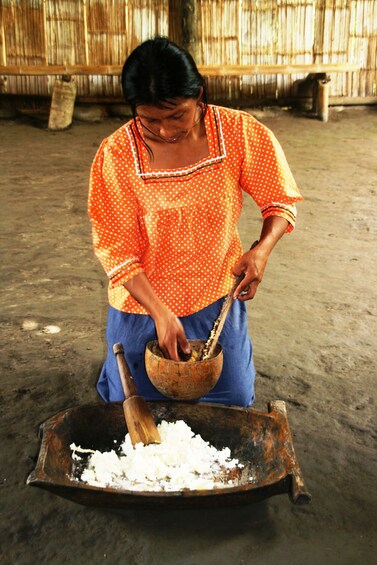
<point>230,31</point>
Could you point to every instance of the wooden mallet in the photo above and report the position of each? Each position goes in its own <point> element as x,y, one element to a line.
<point>140,423</point>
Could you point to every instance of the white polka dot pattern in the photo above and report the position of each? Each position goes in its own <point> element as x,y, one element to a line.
<point>179,226</point>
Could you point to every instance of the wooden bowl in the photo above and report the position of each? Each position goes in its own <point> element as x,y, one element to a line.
<point>183,380</point>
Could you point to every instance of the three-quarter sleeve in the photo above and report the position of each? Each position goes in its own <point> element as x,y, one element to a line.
<point>266,175</point>
<point>114,211</point>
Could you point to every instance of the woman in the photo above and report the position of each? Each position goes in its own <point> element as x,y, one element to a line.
<point>165,198</point>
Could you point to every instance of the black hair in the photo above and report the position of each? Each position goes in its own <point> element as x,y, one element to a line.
<point>157,71</point>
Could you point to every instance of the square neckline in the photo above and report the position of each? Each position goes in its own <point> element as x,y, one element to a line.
<point>215,144</point>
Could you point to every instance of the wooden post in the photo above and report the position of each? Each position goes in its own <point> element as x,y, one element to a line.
<point>183,25</point>
<point>323,99</point>
<point>62,103</point>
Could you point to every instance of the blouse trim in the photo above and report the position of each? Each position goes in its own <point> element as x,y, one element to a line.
<point>116,269</point>
<point>289,210</point>
<point>182,171</point>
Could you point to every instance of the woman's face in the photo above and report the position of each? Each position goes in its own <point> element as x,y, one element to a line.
<point>171,124</point>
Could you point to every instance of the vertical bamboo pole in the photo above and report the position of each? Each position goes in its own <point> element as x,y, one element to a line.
<point>44,17</point>
<point>127,31</point>
<point>173,24</point>
<point>238,45</point>
<point>3,80</point>
<point>3,47</point>
<point>201,35</point>
<point>85,16</point>
<point>189,17</point>
<point>186,28</point>
<point>45,39</point>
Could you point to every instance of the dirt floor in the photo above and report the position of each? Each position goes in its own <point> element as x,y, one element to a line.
<point>313,324</point>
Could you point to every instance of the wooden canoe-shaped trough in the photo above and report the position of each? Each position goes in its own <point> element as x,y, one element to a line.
<point>261,441</point>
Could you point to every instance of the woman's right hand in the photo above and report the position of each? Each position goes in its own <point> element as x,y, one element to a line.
<point>170,332</point>
<point>171,335</point>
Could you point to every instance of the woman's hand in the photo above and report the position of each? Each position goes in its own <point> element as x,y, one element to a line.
<point>170,332</point>
<point>253,263</point>
<point>171,335</point>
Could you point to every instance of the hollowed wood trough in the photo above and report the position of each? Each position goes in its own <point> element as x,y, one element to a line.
<point>261,441</point>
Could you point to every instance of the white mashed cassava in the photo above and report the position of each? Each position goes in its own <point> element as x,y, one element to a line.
<point>182,460</point>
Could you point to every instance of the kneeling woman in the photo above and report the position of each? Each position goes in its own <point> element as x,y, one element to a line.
<point>165,199</point>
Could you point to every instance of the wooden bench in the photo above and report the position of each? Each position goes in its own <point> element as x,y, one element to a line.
<point>319,73</point>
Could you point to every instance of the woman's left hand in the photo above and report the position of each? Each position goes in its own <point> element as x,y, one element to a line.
<point>253,263</point>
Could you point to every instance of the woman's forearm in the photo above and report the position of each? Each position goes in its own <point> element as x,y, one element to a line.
<point>253,263</point>
<point>170,332</point>
<point>141,290</point>
<point>273,229</point>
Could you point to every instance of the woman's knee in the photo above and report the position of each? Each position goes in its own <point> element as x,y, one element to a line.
<point>242,399</point>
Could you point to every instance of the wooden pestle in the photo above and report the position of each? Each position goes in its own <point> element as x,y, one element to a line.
<point>140,423</point>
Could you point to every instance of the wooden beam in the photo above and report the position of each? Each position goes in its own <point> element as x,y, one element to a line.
<point>41,70</point>
<point>239,70</point>
<point>207,70</point>
<point>242,103</point>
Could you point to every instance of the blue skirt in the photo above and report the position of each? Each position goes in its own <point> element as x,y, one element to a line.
<point>235,386</point>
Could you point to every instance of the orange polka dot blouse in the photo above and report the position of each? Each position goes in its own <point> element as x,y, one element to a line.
<point>179,226</point>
